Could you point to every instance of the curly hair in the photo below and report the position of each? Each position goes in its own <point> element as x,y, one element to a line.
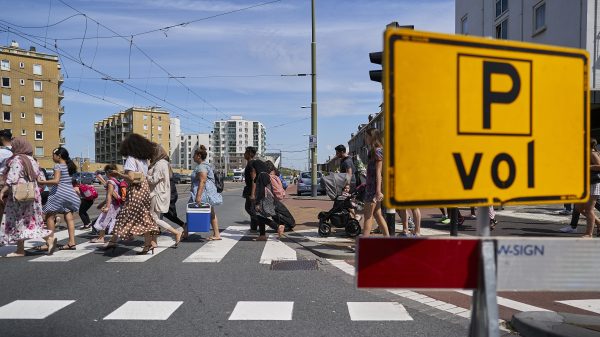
<point>137,146</point>
<point>201,151</point>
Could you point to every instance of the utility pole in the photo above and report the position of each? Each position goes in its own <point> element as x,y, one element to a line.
<point>313,103</point>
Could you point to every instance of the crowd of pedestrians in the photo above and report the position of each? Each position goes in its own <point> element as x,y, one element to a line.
<point>135,199</point>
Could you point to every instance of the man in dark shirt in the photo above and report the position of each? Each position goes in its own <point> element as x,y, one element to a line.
<point>346,163</point>
<point>255,166</point>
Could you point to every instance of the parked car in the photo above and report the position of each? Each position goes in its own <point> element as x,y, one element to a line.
<point>304,183</point>
<point>86,178</point>
<point>238,177</point>
<point>181,178</point>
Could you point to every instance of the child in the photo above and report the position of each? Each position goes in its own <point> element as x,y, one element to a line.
<point>110,207</point>
<point>346,193</point>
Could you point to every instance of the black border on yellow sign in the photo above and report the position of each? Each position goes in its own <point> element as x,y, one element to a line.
<point>432,38</point>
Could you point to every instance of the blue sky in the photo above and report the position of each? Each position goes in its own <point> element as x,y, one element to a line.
<point>231,63</point>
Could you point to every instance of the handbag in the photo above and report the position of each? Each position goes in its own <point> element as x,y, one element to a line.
<point>24,192</point>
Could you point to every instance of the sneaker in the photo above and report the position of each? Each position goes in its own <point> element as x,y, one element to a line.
<point>445,220</point>
<point>411,224</point>
<point>568,229</point>
<point>406,235</point>
<point>565,212</point>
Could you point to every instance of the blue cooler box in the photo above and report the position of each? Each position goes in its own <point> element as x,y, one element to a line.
<point>198,218</point>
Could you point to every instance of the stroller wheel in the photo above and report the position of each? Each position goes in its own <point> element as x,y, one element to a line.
<point>353,228</point>
<point>322,215</point>
<point>324,229</point>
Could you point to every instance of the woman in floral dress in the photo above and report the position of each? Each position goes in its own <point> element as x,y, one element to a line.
<point>23,220</point>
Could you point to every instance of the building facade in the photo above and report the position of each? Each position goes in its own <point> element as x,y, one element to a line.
<point>568,23</point>
<point>31,99</point>
<point>151,122</point>
<point>230,139</point>
<point>356,144</point>
<point>189,144</point>
<point>174,142</point>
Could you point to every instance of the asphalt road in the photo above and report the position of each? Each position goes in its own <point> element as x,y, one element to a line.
<point>201,289</point>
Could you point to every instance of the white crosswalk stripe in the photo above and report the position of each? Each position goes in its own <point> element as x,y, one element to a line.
<point>163,242</point>
<point>276,250</point>
<point>215,251</point>
<point>592,305</point>
<point>68,255</point>
<point>262,311</point>
<point>61,235</point>
<point>145,310</point>
<point>31,309</point>
<point>378,311</point>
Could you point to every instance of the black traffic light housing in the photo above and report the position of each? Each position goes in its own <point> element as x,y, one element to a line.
<point>377,57</point>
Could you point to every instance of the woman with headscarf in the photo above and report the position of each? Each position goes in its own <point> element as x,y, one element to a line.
<point>159,173</point>
<point>23,220</point>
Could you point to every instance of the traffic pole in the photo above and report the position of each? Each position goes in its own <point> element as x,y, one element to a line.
<point>390,219</point>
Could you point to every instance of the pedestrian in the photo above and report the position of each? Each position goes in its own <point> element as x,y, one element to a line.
<point>134,218</point>
<point>87,194</point>
<point>171,214</point>
<point>270,210</point>
<point>587,209</point>
<point>204,190</point>
<point>62,198</point>
<point>445,219</point>
<point>416,215</point>
<point>373,191</point>
<point>5,153</point>
<point>109,209</point>
<point>158,176</point>
<point>346,164</point>
<point>23,220</point>
<point>257,166</point>
<point>572,228</point>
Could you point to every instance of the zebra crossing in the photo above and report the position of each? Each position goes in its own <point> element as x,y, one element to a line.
<point>243,310</point>
<point>209,252</point>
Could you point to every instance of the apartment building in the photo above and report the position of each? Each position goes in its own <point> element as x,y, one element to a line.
<point>175,140</point>
<point>189,144</point>
<point>569,23</point>
<point>230,139</point>
<point>150,122</point>
<point>31,99</point>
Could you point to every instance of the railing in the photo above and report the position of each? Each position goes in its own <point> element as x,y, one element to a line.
<point>62,141</point>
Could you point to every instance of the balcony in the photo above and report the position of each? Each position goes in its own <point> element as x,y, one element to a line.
<point>61,79</point>
<point>61,125</point>
<point>61,110</point>
<point>62,141</point>
<point>61,94</point>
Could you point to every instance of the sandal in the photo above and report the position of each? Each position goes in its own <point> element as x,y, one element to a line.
<point>493,223</point>
<point>213,238</point>
<point>97,240</point>
<point>41,248</point>
<point>68,247</point>
<point>13,255</point>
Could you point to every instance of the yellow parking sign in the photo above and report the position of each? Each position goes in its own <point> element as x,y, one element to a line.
<point>475,121</point>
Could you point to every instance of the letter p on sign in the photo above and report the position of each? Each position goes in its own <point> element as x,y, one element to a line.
<point>494,96</point>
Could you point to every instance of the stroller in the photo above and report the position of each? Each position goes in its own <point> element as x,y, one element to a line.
<point>339,215</point>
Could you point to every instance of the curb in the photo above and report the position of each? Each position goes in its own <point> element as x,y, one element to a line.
<point>555,324</point>
<point>314,248</point>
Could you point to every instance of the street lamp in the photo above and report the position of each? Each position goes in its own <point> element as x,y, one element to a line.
<point>313,104</point>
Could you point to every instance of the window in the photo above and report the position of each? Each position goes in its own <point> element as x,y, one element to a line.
<point>6,82</point>
<point>502,30</point>
<point>6,99</point>
<point>22,115</point>
<point>4,65</point>
<point>501,7</point>
<point>39,135</point>
<point>22,98</point>
<point>37,85</point>
<point>37,69</point>
<point>21,65</point>
<point>22,82</point>
<point>38,119</point>
<point>145,127</point>
<point>159,136</point>
<point>39,151</point>
<point>23,132</point>
<point>6,116</point>
<point>38,102</point>
<point>464,25</point>
<point>159,128</point>
<point>145,117</point>
<point>539,17</point>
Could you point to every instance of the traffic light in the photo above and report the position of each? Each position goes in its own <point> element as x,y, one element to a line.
<point>376,57</point>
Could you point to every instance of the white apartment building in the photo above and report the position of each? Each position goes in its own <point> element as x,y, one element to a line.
<point>569,23</point>
<point>188,145</point>
<point>230,139</point>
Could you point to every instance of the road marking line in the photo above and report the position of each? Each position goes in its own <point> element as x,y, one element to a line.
<point>262,311</point>
<point>377,311</point>
<point>505,302</point>
<point>145,310</point>
<point>343,266</point>
<point>592,305</point>
<point>68,255</point>
<point>31,309</point>
<point>215,251</point>
<point>276,250</point>
<point>163,242</point>
<point>61,235</point>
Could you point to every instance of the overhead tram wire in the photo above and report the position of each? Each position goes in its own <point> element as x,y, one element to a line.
<point>162,29</point>
<point>126,86</point>
<point>147,56</point>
